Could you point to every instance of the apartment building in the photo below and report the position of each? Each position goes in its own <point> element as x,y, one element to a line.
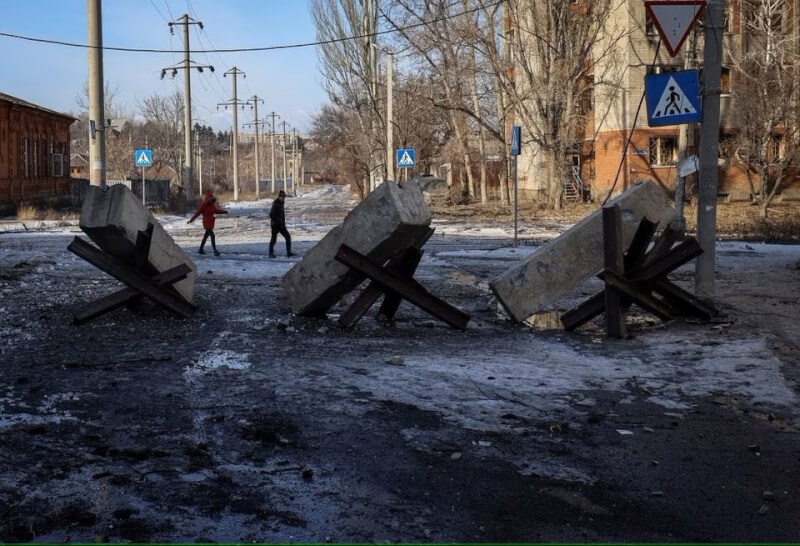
<point>616,115</point>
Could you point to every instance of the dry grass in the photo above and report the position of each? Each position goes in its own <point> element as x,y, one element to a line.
<point>27,212</point>
<point>734,220</point>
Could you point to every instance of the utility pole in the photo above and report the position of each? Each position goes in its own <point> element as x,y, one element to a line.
<point>368,22</point>
<point>294,160</point>
<point>255,100</point>
<point>273,115</point>
<point>389,117</point>
<point>709,150</point>
<point>283,146</point>
<point>97,118</point>
<point>235,72</point>
<point>186,66</point>
<point>685,139</point>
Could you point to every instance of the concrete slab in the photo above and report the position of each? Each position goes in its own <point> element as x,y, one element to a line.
<point>112,219</point>
<point>550,272</point>
<point>389,220</point>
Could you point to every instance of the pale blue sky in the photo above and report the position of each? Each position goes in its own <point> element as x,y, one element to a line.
<point>52,75</point>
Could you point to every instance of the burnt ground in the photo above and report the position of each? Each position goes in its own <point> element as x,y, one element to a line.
<point>246,423</point>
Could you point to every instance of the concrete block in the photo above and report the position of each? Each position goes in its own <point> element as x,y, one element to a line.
<point>112,219</point>
<point>550,272</point>
<point>389,220</point>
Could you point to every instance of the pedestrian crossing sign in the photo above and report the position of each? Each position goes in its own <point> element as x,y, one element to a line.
<point>673,98</point>
<point>406,157</point>
<point>143,157</point>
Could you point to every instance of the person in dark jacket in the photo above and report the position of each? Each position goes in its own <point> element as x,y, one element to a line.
<point>208,208</point>
<point>277,221</point>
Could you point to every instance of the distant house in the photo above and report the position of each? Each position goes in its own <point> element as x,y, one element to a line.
<point>79,166</point>
<point>34,151</point>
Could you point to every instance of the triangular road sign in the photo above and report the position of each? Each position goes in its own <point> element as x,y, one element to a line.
<point>674,20</point>
<point>673,102</point>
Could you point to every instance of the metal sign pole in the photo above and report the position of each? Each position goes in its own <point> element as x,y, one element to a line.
<point>144,201</point>
<point>516,202</point>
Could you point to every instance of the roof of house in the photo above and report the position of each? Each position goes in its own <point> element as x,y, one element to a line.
<point>78,160</point>
<point>20,102</point>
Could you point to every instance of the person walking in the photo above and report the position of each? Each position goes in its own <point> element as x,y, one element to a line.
<point>277,222</point>
<point>208,208</point>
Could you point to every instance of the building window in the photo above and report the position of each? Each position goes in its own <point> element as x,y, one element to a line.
<point>25,171</point>
<point>776,149</point>
<point>663,151</point>
<point>650,27</point>
<point>58,165</point>
<point>724,80</point>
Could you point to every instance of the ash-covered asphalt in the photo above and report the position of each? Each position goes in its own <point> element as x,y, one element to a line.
<point>245,423</point>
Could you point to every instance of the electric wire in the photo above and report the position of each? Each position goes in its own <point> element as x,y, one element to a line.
<point>248,49</point>
<point>630,134</point>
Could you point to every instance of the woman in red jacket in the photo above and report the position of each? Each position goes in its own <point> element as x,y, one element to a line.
<point>208,208</point>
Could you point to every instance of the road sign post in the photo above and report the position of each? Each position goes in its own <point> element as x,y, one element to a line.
<point>406,158</point>
<point>516,145</point>
<point>143,157</point>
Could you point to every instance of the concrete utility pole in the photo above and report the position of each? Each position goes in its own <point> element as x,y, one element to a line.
<point>389,117</point>
<point>235,102</point>
<point>685,139</point>
<point>709,150</point>
<point>283,146</point>
<point>273,115</point>
<point>255,100</point>
<point>97,118</point>
<point>185,21</point>
<point>368,22</point>
<point>294,160</point>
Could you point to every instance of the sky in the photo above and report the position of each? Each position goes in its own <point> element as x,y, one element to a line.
<point>53,75</point>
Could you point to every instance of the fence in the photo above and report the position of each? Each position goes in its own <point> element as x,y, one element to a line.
<point>156,191</point>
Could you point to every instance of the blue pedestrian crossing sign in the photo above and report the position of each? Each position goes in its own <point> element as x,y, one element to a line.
<point>516,139</point>
<point>143,157</point>
<point>673,98</point>
<point>406,157</point>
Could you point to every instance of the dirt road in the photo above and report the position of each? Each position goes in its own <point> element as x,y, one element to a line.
<point>246,423</point>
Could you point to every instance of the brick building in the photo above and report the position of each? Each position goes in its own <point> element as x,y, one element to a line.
<point>34,151</point>
<point>653,151</point>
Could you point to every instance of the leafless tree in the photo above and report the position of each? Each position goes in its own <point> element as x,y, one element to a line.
<point>558,47</point>
<point>766,93</point>
<point>163,131</point>
<point>348,69</point>
<point>119,155</point>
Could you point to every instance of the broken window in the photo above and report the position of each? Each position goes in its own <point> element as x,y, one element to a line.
<point>663,151</point>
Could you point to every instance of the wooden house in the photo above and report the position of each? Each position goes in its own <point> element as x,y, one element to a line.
<point>34,151</point>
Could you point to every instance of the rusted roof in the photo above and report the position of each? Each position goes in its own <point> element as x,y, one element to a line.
<point>20,102</point>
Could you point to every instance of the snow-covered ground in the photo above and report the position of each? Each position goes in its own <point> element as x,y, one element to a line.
<point>245,335</point>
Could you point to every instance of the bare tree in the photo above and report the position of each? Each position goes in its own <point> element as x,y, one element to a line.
<point>557,47</point>
<point>119,154</point>
<point>348,69</point>
<point>163,129</point>
<point>766,93</point>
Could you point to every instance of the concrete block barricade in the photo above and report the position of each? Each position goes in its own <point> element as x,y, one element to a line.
<point>113,217</point>
<point>389,220</point>
<point>551,271</point>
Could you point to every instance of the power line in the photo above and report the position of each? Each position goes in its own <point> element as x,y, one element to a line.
<point>251,49</point>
